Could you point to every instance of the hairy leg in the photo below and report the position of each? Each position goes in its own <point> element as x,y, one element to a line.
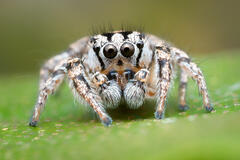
<point>81,86</point>
<point>47,88</point>
<point>76,74</point>
<point>182,91</point>
<point>75,50</point>
<point>165,76</point>
<point>192,70</point>
<point>51,77</point>
<point>50,66</point>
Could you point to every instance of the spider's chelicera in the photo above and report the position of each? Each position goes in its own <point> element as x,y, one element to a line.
<point>105,69</point>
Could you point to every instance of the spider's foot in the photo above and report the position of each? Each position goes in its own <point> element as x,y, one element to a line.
<point>106,121</point>
<point>209,108</point>
<point>159,115</point>
<point>33,123</point>
<point>183,108</point>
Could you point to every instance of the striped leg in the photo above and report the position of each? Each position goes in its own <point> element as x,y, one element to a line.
<point>49,67</point>
<point>165,76</point>
<point>51,77</point>
<point>81,86</point>
<point>74,50</point>
<point>76,75</point>
<point>192,70</point>
<point>47,88</point>
<point>182,91</point>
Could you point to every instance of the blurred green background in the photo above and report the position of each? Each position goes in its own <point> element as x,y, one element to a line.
<point>31,31</point>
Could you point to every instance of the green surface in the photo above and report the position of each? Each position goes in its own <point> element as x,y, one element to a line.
<point>68,132</point>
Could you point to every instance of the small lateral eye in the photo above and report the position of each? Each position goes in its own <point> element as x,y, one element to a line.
<point>140,44</point>
<point>110,51</point>
<point>127,49</point>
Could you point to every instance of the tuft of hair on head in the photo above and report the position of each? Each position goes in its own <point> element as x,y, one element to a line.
<point>104,29</point>
<point>100,29</point>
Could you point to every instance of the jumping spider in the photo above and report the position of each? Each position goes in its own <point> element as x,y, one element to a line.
<point>123,65</point>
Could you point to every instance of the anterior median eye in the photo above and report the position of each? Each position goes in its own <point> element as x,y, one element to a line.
<point>112,75</point>
<point>129,74</point>
<point>127,49</point>
<point>110,51</point>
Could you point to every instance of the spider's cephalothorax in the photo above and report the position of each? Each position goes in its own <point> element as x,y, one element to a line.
<point>124,65</point>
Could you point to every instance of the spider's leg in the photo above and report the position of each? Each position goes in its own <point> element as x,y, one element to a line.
<point>194,71</point>
<point>165,76</point>
<point>82,88</point>
<point>74,50</point>
<point>49,67</point>
<point>134,92</point>
<point>47,88</point>
<point>182,91</point>
<point>108,88</point>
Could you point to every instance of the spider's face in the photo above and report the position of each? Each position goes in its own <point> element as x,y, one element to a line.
<point>118,48</point>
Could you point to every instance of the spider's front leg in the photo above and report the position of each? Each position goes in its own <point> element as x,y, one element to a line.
<point>75,72</point>
<point>134,92</point>
<point>165,76</point>
<point>77,75</point>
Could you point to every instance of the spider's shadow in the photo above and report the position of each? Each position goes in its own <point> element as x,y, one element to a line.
<point>146,111</point>
<point>124,113</point>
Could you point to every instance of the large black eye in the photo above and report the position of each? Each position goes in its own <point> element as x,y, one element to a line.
<point>127,49</point>
<point>110,51</point>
